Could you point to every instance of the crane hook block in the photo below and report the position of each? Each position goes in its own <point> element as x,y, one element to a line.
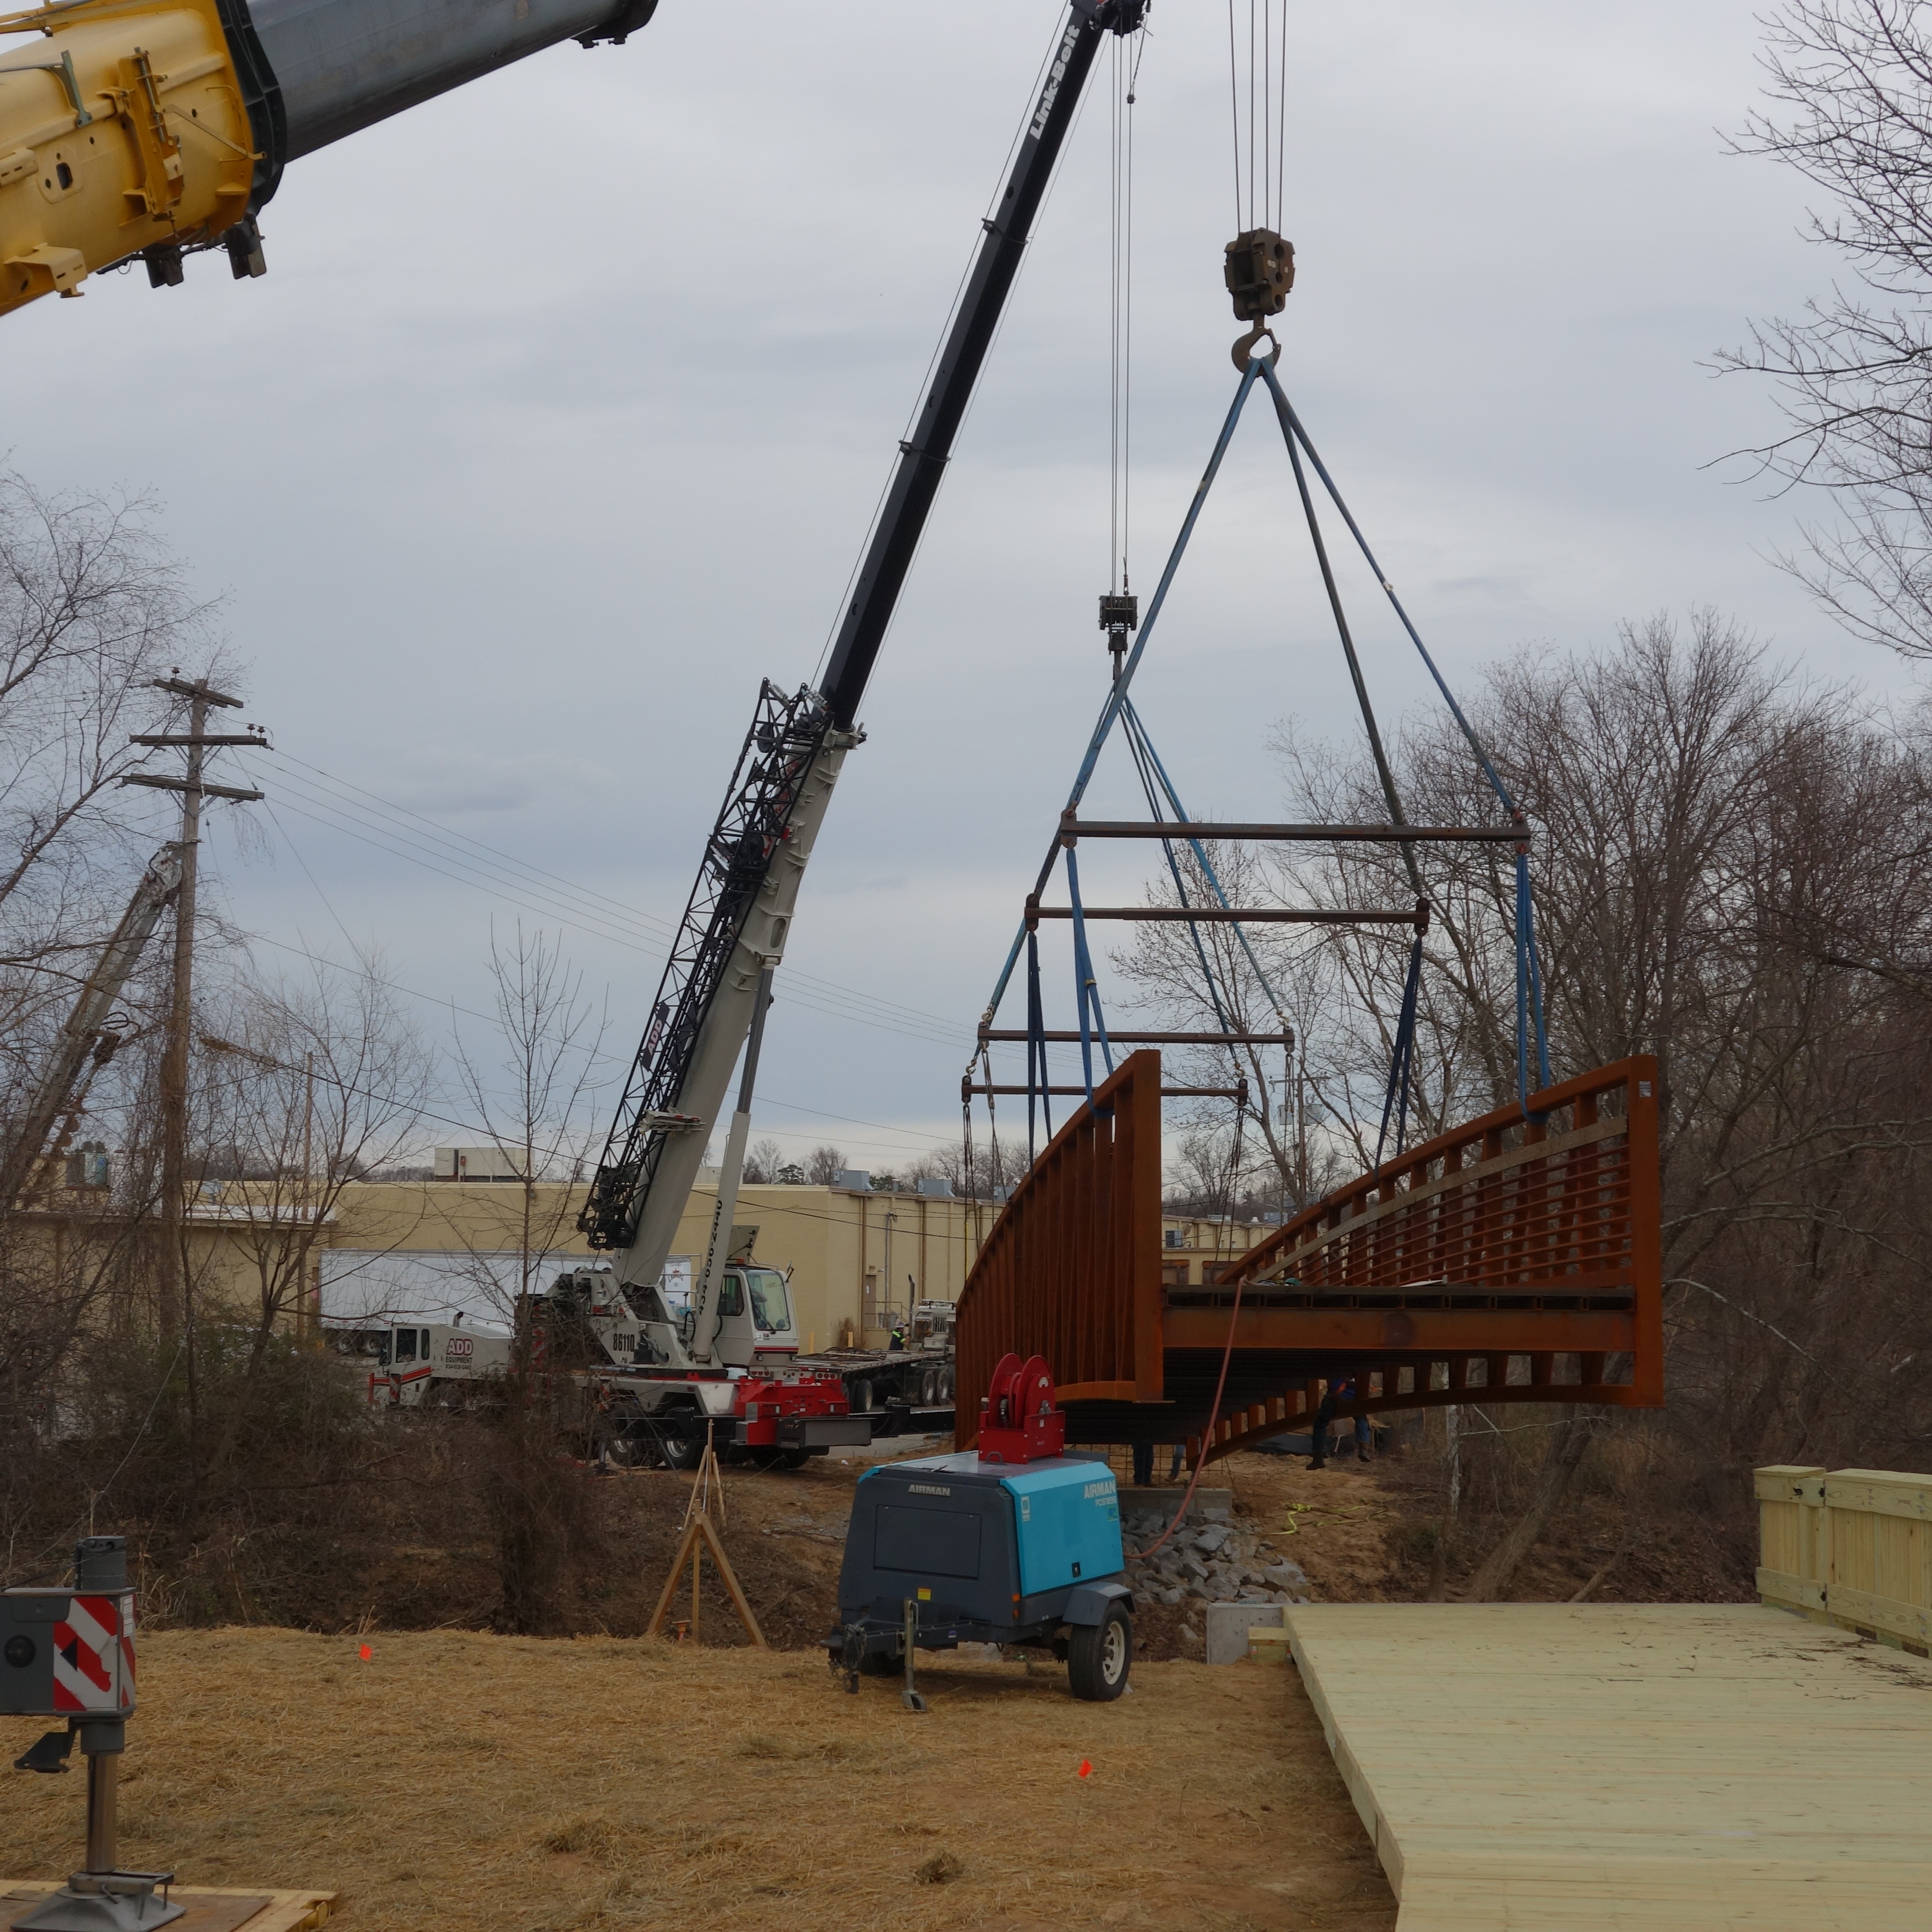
<point>1260,271</point>
<point>1018,1421</point>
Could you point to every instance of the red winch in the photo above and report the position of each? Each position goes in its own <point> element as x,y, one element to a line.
<point>1018,1421</point>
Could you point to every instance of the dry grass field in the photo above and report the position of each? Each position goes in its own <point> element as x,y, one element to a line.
<point>515,1785</point>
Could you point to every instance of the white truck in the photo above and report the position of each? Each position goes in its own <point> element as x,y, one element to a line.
<point>440,1364</point>
<point>623,1376</point>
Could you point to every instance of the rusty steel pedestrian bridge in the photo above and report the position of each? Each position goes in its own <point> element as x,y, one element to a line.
<point>1514,1258</point>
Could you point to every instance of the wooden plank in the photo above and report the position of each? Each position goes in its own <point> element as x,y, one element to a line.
<point>1648,1767</point>
<point>1782,1482</point>
<point>1876,1612</point>
<point>1879,1493</point>
<point>213,1908</point>
<point>1780,1586</point>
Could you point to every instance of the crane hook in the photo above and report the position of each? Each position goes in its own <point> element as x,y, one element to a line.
<point>1244,348</point>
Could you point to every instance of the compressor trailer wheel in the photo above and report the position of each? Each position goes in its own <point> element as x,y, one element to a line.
<point>1098,1656</point>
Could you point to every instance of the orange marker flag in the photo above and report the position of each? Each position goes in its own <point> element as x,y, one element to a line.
<point>1086,1764</point>
<point>364,1654</point>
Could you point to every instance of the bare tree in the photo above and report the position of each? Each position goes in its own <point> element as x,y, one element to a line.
<point>824,1164</point>
<point>306,1089</point>
<point>532,1099</point>
<point>1734,873</point>
<point>1849,89</point>
<point>92,608</point>
<point>764,1162</point>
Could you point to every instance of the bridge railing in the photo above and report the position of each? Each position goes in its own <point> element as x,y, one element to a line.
<point>1071,1270</point>
<point>1509,1210</point>
<point>1851,1547</point>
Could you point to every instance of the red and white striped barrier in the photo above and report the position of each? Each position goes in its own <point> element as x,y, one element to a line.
<point>94,1654</point>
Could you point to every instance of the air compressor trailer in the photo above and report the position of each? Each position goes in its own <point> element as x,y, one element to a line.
<point>1014,1542</point>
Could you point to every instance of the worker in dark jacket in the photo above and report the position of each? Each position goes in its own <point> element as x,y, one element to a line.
<point>1334,1395</point>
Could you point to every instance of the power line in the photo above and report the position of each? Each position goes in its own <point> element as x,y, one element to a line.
<point>805,990</point>
<point>555,885</point>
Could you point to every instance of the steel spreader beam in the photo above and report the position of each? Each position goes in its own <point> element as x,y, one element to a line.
<point>1235,915</point>
<point>1015,1036</point>
<point>1072,828</point>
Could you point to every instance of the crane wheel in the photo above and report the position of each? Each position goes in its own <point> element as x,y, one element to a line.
<point>680,1453</point>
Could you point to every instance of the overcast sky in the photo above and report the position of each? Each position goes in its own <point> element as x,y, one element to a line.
<point>558,419</point>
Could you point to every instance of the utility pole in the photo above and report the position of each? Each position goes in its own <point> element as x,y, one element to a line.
<point>201,696</point>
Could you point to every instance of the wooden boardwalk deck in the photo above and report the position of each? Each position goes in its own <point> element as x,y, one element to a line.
<point>1628,1767</point>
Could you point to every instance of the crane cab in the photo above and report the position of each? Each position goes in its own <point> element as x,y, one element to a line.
<point>648,1329</point>
<point>756,1329</point>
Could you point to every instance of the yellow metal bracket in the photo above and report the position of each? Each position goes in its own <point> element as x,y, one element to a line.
<point>92,167</point>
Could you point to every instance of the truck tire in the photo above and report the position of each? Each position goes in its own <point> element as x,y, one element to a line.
<point>879,1664</point>
<point>859,1393</point>
<point>946,1383</point>
<point>680,1452</point>
<point>929,1387</point>
<point>1098,1656</point>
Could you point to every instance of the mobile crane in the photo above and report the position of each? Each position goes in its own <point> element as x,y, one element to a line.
<point>710,1365</point>
<point>91,1035</point>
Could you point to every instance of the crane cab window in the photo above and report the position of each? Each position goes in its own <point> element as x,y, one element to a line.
<point>731,1296</point>
<point>771,1304</point>
<point>406,1345</point>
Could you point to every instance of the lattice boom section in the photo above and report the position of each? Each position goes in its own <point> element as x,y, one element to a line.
<point>1071,1270</point>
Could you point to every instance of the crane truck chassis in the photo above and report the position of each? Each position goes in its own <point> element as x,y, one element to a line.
<point>624,1394</point>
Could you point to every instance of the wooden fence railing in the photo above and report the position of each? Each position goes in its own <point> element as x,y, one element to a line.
<point>1851,1547</point>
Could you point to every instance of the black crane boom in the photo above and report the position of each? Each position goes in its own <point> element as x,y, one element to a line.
<point>923,455</point>
<point>791,755</point>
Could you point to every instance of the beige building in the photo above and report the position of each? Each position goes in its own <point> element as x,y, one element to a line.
<point>385,1250</point>
<point>1191,1250</point>
<point>857,1258</point>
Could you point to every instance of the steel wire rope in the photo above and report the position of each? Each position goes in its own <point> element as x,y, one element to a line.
<point>999,331</point>
<point>885,1023</point>
<point>1234,112</point>
<point>436,999</point>
<point>939,345</point>
<point>553,884</point>
<point>1281,126</point>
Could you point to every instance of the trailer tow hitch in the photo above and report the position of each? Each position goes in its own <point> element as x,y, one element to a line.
<point>846,1658</point>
